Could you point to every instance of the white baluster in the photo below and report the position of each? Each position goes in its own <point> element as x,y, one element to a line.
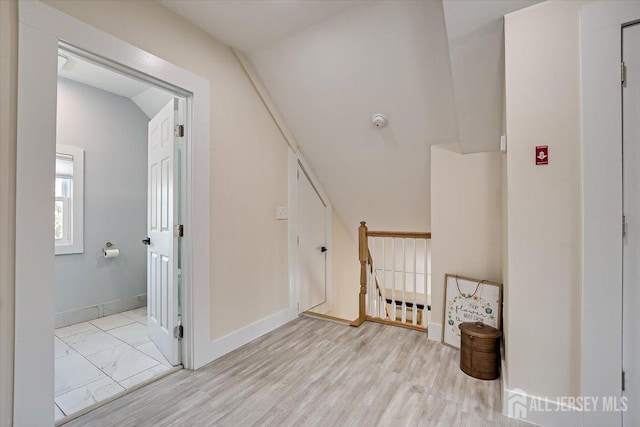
<point>369,289</point>
<point>374,290</point>
<point>426,293</point>
<point>414,318</point>
<point>383,290</point>
<point>429,266</point>
<point>393,280</point>
<point>404,282</point>
<point>372,269</point>
<point>374,304</point>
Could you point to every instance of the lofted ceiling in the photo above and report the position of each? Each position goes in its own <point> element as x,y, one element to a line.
<point>252,24</point>
<point>434,69</point>
<point>330,79</point>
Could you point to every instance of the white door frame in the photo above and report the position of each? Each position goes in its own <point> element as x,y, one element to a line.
<point>295,159</point>
<point>601,38</point>
<point>41,29</point>
<point>631,210</point>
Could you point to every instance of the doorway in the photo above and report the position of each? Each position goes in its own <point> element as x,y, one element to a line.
<point>312,244</point>
<point>117,189</point>
<point>631,212</point>
<point>42,30</point>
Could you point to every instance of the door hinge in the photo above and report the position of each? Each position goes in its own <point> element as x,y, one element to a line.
<point>178,332</point>
<point>623,72</point>
<point>178,230</point>
<point>624,226</point>
<point>623,381</point>
<point>298,240</point>
<point>178,131</point>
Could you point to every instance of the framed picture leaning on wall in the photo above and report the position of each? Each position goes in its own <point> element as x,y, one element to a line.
<point>469,300</point>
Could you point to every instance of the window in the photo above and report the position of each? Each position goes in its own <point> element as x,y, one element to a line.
<point>69,206</point>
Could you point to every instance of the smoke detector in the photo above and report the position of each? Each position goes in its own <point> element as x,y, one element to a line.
<point>379,120</point>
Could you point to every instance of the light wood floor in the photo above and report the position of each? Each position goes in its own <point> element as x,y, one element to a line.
<point>316,373</point>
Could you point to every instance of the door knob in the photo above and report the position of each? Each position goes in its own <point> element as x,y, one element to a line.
<point>146,241</point>
<point>323,249</point>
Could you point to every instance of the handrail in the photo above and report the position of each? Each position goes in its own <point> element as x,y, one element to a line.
<point>402,234</point>
<point>366,260</point>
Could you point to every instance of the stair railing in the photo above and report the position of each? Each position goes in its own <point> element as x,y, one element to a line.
<point>389,293</point>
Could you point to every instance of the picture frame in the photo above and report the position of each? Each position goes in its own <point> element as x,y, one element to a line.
<point>469,300</point>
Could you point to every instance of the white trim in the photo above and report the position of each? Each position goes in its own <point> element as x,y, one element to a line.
<point>295,160</point>
<point>237,339</point>
<point>504,382</point>
<point>8,127</point>
<point>328,212</point>
<point>292,230</point>
<point>550,413</point>
<point>435,331</point>
<point>602,201</point>
<point>92,312</point>
<point>41,29</point>
<point>77,202</point>
<point>34,273</point>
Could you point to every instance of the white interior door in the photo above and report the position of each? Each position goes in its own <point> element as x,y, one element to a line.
<point>162,283</point>
<point>312,244</point>
<point>631,209</point>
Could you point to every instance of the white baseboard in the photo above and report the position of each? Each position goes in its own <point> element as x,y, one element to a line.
<point>504,384</point>
<point>92,312</point>
<point>435,332</point>
<point>226,344</point>
<point>538,410</point>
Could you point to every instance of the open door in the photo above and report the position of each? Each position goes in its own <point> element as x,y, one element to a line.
<point>161,241</point>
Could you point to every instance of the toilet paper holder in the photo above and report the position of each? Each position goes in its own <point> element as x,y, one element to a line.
<point>108,251</point>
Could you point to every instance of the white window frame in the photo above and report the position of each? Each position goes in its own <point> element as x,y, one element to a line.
<point>75,242</point>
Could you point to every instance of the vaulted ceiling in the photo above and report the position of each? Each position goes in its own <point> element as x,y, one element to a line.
<point>434,69</point>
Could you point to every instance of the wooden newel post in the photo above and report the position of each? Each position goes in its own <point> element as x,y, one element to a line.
<point>363,255</point>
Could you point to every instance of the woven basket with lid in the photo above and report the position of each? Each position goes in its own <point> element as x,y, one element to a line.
<point>480,350</point>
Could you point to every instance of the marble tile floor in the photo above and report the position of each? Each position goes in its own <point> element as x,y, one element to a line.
<point>102,357</point>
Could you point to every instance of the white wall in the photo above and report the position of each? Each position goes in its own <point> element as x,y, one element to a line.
<point>544,202</point>
<point>466,218</point>
<point>248,160</point>
<point>152,100</point>
<point>112,130</point>
<point>476,47</point>
<point>346,270</point>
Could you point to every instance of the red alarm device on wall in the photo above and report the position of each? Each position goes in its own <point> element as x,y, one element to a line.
<point>542,155</point>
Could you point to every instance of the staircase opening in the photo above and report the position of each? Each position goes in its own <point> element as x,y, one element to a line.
<point>395,279</point>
